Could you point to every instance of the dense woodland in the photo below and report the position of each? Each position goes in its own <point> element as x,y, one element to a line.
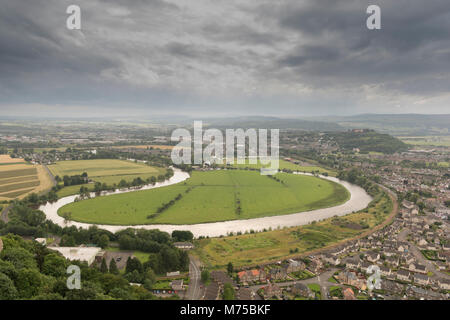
<point>31,271</point>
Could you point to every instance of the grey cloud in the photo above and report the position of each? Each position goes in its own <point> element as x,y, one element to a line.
<point>254,55</point>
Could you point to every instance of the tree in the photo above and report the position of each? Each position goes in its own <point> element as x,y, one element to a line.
<point>54,265</point>
<point>67,216</point>
<point>150,278</point>
<point>133,264</point>
<point>7,289</point>
<point>29,282</point>
<point>169,259</point>
<point>230,268</point>
<point>103,267</point>
<point>113,267</point>
<point>103,241</point>
<point>205,276</point>
<point>67,241</point>
<point>19,257</point>
<point>228,292</point>
<point>182,235</point>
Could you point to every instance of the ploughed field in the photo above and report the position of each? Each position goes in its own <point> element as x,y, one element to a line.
<point>209,197</point>
<point>18,179</point>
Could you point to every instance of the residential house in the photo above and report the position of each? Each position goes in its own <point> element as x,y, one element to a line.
<point>348,294</point>
<point>403,247</point>
<point>184,245</point>
<point>294,265</point>
<point>301,289</point>
<point>392,260</point>
<point>390,252</point>
<point>385,271</point>
<point>315,265</point>
<point>365,265</point>
<point>271,290</point>
<point>353,264</point>
<point>352,279</point>
<point>221,277</point>
<point>407,259</point>
<point>415,267</point>
<point>444,284</point>
<point>403,275</point>
<point>249,275</point>
<point>333,260</point>
<point>421,279</point>
<point>277,273</point>
<point>177,285</point>
<point>373,257</point>
<point>444,255</point>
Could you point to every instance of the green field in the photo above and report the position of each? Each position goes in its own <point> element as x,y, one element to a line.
<point>102,168</point>
<point>257,248</point>
<point>285,165</point>
<point>109,171</point>
<point>438,141</point>
<point>212,196</point>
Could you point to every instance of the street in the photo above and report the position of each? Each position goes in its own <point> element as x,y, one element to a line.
<point>194,291</point>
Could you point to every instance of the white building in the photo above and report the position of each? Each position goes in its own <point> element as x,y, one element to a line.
<point>78,253</point>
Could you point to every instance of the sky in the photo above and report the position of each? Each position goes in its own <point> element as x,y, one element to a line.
<point>286,58</point>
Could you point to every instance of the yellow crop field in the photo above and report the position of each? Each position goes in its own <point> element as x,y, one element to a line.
<point>19,180</point>
<point>6,159</point>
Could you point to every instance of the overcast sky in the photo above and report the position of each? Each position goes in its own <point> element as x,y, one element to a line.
<point>224,57</point>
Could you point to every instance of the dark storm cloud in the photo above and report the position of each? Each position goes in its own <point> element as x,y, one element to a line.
<point>293,56</point>
<point>414,42</point>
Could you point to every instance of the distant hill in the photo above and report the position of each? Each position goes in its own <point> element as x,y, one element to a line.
<point>272,123</point>
<point>367,141</point>
<point>396,124</point>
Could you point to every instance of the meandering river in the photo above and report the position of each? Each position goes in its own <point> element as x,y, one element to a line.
<point>359,199</point>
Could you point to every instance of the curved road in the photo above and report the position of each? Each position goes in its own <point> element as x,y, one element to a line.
<point>359,199</point>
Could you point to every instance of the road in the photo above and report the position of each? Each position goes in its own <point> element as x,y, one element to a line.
<point>4,214</point>
<point>195,291</point>
<point>419,256</point>
<point>50,174</point>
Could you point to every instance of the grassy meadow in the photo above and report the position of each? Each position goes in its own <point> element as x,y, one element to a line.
<point>109,171</point>
<point>212,196</point>
<point>283,164</point>
<point>256,248</point>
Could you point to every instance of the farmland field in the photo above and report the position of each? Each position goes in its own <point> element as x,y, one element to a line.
<point>18,179</point>
<point>6,159</point>
<point>212,196</point>
<point>103,171</point>
<point>257,248</point>
<point>437,141</point>
<point>150,146</point>
<point>285,165</point>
